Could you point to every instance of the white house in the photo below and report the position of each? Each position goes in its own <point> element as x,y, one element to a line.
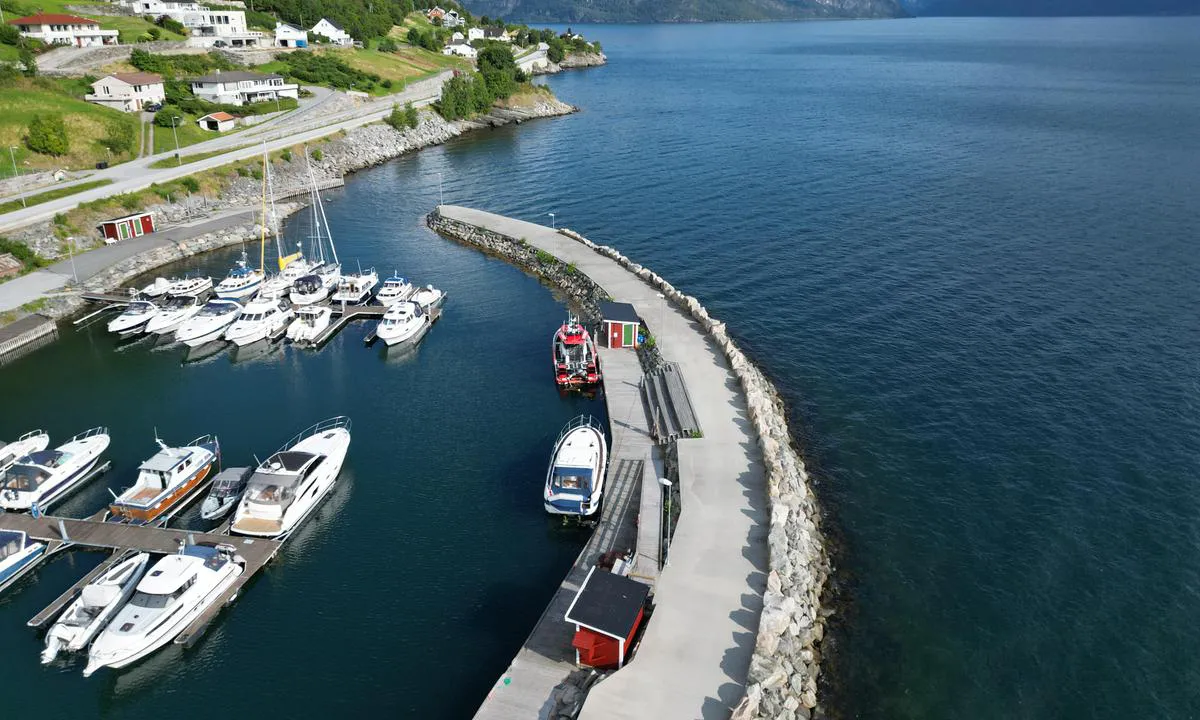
<point>127,92</point>
<point>56,29</point>
<point>219,28</point>
<point>497,34</point>
<point>288,36</point>
<point>333,31</point>
<point>457,36</point>
<point>460,47</point>
<point>451,19</point>
<point>474,34</point>
<point>162,7</point>
<point>238,87</point>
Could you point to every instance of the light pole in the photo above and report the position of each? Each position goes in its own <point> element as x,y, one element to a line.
<point>662,320</point>
<point>178,160</point>
<point>552,226</point>
<point>71,253</point>
<point>667,538</point>
<point>13,157</point>
<point>441,200</point>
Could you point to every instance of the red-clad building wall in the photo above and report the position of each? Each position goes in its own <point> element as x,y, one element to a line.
<point>602,651</point>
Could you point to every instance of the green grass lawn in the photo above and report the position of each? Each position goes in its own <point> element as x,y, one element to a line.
<point>401,67</point>
<point>49,195</point>
<point>194,157</point>
<point>129,27</point>
<point>132,28</point>
<point>189,134</point>
<point>9,53</point>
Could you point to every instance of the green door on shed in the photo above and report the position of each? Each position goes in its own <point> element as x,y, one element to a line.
<point>628,342</point>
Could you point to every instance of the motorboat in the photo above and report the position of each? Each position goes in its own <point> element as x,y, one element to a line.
<point>429,298</point>
<point>259,320</point>
<point>190,286</point>
<point>575,480</point>
<point>210,323</point>
<point>31,442</point>
<point>242,281</point>
<point>393,290</point>
<point>404,322</point>
<point>314,288</point>
<point>158,288</point>
<point>310,322</point>
<point>94,607</point>
<point>18,554</point>
<point>279,286</point>
<point>165,481</point>
<point>177,310</point>
<point>176,591</point>
<point>355,289</point>
<point>42,477</point>
<point>576,362</point>
<point>287,486</point>
<point>133,320</point>
<point>226,490</point>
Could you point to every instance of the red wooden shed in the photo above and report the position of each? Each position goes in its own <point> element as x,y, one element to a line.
<point>607,612</point>
<point>621,325</point>
<point>130,226</point>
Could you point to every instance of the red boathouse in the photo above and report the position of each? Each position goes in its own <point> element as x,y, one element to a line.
<point>130,226</point>
<point>621,324</point>
<point>606,612</point>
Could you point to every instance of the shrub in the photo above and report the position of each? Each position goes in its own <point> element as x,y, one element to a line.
<point>411,117</point>
<point>387,45</point>
<point>387,84</point>
<point>21,252</point>
<point>190,184</point>
<point>28,62</point>
<point>166,116</point>
<point>155,33</point>
<point>121,136</point>
<point>286,155</point>
<point>9,35</point>
<point>318,155</point>
<point>48,135</point>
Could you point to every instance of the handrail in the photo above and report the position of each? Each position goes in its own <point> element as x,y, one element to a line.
<point>581,421</point>
<point>341,421</point>
<point>30,434</point>
<point>90,433</point>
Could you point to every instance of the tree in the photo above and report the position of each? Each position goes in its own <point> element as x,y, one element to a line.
<point>120,136</point>
<point>48,135</point>
<point>387,45</point>
<point>9,35</point>
<point>28,62</point>
<point>166,116</point>
<point>411,118</point>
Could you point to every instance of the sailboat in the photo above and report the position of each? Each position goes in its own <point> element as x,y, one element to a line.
<point>291,267</point>
<point>316,286</point>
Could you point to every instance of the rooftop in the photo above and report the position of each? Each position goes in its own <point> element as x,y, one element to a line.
<point>619,311</point>
<point>608,603</point>
<point>53,19</point>
<point>138,78</point>
<point>234,76</point>
<point>219,116</point>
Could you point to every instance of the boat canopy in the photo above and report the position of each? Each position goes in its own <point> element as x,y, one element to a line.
<point>308,284</point>
<point>100,595</point>
<point>212,557</point>
<point>572,479</point>
<point>288,461</point>
<point>11,543</point>
<point>165,461</point>
<point>46,458</point>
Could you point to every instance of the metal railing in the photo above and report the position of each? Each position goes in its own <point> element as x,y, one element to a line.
<point>341,421</point>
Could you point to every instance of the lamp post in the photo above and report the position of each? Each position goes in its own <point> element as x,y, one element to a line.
<point>178,160</point>
<point>71,253</point>
<point>441,200</point>
<point>667,537</point>
<point>662,320</point>
<point>13,157</point>
<point>552,225</point>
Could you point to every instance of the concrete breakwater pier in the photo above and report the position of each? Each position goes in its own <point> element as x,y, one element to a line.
<point>737,620</point>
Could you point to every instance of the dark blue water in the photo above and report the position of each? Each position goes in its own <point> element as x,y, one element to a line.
<point>963,248</point>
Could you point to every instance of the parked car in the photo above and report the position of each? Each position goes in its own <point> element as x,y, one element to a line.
<point>220,43</point>
<point>152,107</point>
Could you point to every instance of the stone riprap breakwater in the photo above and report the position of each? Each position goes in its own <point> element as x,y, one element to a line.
<point>785,665</point>
<point>574,61</point>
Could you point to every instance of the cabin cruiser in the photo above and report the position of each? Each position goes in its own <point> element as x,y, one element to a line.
<point>259,320</point>
<point>190,286</point>
<point>177,310</point>
<point>176,591</point>
<point>166,480</point>
<point>208,324</point>
<point>226,490</point>
<point>429,298</point>
<point>97,603</point>
<point>575,480</point>
<point>18,553</point>
<point>134,319</point>
<point>278,286</point>
<point>158,288</point>
<point>314,288</point>
<point>393,290</point>
<point>404,322</point>
<point>355,289</point>
<point>31,442</point>
<point>310,322</point>
<point>42,477</point>
<point>287,486</point>
<point>242,281</point>
<point>576,362</point>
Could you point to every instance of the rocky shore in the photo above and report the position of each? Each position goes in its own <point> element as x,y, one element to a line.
<point>786,662</point>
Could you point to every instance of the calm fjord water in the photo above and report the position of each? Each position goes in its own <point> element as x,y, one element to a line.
<point>963,248</point>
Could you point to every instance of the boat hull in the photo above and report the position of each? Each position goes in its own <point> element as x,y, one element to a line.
<point>146,515</point>
<point>83,460</point>
<point>585,504</point>
<point>17,565</point>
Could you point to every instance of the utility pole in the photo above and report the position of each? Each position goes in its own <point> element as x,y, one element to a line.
<point>552,225</point>
<point>13,157</point>
<point>178,160</point>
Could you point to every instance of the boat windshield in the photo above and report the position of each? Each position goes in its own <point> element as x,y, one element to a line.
<point>252,317</point>
<point>24,478</point>
<point>140,308</point>
<point>215,309</point>
<point>11,543</point>
<point>154,601</point>
<point>308,284</point>
<point>178,303</point>
<point>572,480</point>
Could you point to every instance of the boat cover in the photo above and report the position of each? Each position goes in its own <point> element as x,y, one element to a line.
<point>100,595</point>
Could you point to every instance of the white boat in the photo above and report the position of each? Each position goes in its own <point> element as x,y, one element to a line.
<point>31,442</point>
<point>575,480</point>
<point>242,281</point>
<point>177,310</point>
<point>227,489</point>
<point>429,298</point>
<point>158,288</point>
<point>210,323</point>
<point>42,477</point>
<point>316,287</point>
<point>355,289</point>
<point>166,481</point>
<point>134,319</point>
<point>177,590</point>
<point>310,322</point>
<point>287,486</point>
<point>18,554</point>
<point>393,290</point>
<point>404,322</point>
<point>190,286</point>
<point>97,603</point>
<point>259,320</point>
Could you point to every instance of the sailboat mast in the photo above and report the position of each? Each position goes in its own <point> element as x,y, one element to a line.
<point>262,247</point>
<point>320,205</point>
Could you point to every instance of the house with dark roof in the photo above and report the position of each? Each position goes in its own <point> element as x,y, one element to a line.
<point>238,87</point>
<point>128,92</point>
<point>58,29</point>
<point>336,34</point>
<point>496,33</point>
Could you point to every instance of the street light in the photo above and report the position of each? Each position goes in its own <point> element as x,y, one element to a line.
<point>71,253</point>
<point>441,200</point>
<point>552,226</point>
<point>667,486</point>
<point>15,172</point>
<point>178,160</point>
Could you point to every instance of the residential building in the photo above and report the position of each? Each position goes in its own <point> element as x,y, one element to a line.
<point>288,36</point>
<point>451,19</point>
<point>57,29</point>
<point>237,87</point>
<point>333,31</point>
<point>127,92</point>
<point>158,8</point>
<point>219,28</point>
<point>436,13</point>
<point>218,121</point>
<point>497,34</point>
<point>457,36</point>
<point>460,47</point>
<point>474,34</point>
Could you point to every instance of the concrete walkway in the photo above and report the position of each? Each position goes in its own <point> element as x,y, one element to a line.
<point>696,652</point>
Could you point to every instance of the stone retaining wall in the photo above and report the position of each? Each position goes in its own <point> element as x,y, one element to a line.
<point>786,662</point>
